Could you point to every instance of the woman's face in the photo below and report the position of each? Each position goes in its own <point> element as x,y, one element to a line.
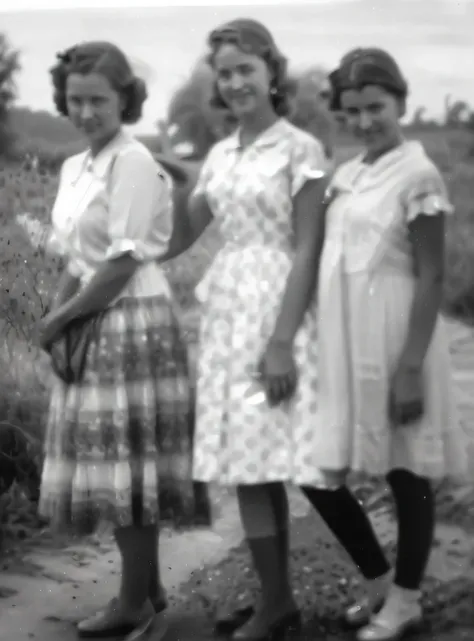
<point>94,107</point>
<point>372,114</point>
<point>243,80</point>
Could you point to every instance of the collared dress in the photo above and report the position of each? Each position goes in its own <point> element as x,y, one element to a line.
<point>113,439</point>
<point>251,192</point>
<point>367,283</point>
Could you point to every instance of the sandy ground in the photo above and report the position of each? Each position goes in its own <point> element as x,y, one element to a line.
<point>45,590</point>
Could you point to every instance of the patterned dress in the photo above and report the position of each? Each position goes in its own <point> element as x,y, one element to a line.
<point>250,192</point>
<point>366,289</point>
<point>121,435</point>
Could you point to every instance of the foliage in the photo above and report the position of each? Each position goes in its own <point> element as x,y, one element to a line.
<point>190,111</point>
<point>196,121</point>
<point>9,66</point>
<point>43,126</point>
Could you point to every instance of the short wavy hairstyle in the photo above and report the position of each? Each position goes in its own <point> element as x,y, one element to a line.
<point>367,66</point>
<point>253,37</point>
<point>106,59</point>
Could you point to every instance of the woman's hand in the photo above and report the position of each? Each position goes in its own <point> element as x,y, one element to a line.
<point>406,394</point>
<point>51,327</point>
<point>278,373</point>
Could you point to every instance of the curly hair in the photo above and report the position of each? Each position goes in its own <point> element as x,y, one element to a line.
<point>253,37</point>
<point>108,60</point>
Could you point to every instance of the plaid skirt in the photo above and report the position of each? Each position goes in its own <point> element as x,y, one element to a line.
<point>116,438</point>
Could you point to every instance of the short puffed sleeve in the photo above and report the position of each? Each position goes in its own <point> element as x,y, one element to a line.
<point>207,171</point>
<point>426,194</point>
<point>308,161</point>
<point>140,207</point>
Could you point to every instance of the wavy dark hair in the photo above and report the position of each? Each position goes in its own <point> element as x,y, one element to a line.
<point>253,37</point>
<point>367,66</point>
<point>108,60</point>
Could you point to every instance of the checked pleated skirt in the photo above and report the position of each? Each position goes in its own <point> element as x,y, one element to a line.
<point>122,435</point>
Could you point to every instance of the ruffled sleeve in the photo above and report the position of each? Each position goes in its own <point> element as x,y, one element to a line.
<point>140,208</point>
<point>308,162</point>
<point>426,194</point>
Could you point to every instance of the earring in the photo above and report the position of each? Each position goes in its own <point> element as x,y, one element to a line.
<point>273,91</point>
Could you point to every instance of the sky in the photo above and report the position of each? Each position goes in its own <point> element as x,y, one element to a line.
<point>432,40</point>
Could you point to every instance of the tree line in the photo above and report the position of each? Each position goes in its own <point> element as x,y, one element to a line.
<point>190,119</point>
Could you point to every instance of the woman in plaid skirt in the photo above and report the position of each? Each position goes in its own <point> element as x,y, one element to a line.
<point>123,430</point>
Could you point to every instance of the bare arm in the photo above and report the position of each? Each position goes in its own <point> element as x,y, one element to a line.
<point>192,214</point>
<point>310,217</point>
<point>65,289</point>
<point>426,234</point>
<point>104,287</point>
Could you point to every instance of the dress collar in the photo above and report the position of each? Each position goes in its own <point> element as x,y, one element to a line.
<point>99,165</point>
<point>267,138</point>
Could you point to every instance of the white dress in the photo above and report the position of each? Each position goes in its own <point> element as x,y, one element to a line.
<point>366,289</point>
<point>250,193</point>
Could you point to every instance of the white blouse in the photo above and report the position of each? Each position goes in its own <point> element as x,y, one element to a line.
<point>117,202</point>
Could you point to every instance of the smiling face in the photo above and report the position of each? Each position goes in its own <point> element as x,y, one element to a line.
<point>243,80</point>
<point>372,114</point>
<point>94,107</point>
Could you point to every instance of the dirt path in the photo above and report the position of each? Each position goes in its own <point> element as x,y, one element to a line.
<point>45,591</point>
<point>49,590</point>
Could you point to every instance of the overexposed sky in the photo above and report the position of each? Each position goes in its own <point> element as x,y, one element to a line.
<point>25,5</point>
<point>452,6</point>
<point>433,40</point>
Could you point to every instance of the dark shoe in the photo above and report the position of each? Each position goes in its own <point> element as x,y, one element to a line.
<point>110,622</point>
<point>288,624</point>
<point>156,625</point>
<point>160,604</point>
<point>228,622</point>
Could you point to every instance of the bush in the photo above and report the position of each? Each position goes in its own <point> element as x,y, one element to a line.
<point>28,276</point>
<point>9,66</point>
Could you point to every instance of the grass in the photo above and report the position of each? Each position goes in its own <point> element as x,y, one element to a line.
<point>29,274</point>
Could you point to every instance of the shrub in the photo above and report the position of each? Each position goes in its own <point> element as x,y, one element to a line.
<point>9,66</point>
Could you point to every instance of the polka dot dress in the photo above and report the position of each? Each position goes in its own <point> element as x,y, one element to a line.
<point>251,192</point>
